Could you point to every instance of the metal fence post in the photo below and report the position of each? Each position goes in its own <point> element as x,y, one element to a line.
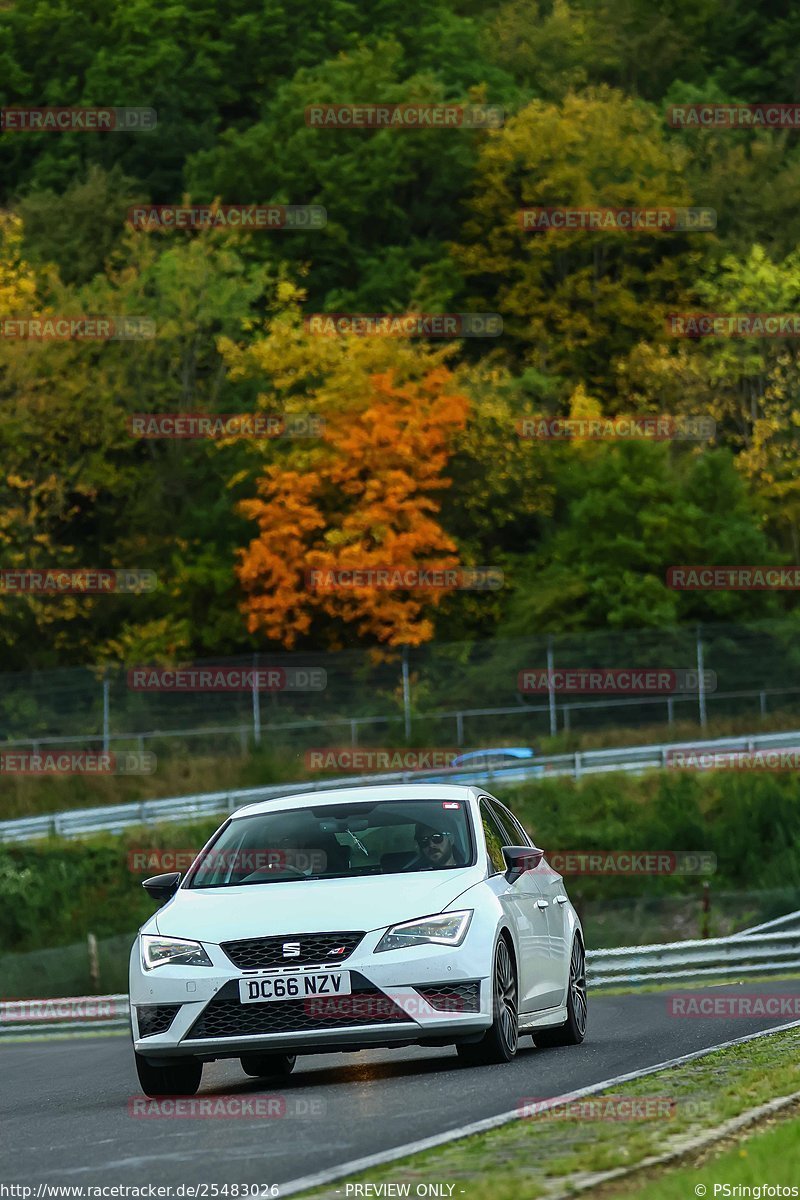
<point>256,704</point>
<point>701,683</point>
<point>406,693</point>
<point>106,712</point>
<point>551,691</point>
<point>459,729</point>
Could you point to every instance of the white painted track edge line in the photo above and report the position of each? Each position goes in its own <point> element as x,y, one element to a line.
<point>356,1165</point>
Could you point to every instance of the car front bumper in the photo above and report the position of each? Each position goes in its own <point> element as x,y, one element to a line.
<point>420,994</point>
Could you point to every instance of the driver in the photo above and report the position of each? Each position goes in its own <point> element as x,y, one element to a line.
<point>436,847</point>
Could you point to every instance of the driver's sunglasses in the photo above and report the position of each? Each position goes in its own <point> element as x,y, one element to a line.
<point>427,838</point>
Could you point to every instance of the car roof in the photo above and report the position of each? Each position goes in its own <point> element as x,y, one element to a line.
<point>366,792</point>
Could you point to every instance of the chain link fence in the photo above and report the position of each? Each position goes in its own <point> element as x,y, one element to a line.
<point>452,694</point>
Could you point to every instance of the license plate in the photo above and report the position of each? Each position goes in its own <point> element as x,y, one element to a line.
<point>294,987</point>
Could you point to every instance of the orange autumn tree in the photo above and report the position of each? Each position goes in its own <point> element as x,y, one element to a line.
<point>367,497</point>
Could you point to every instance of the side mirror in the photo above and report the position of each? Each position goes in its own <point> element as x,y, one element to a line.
<point>162,887</point>
<point>520,859</point>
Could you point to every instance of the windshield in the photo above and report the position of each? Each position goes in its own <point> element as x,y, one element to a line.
<point>333,841</point>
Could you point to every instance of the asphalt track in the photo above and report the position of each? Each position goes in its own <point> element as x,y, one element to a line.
<point>64,1104</point>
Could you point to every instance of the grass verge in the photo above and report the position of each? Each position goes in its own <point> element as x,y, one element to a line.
<point>547,1155</point>
<point>770,1156</point>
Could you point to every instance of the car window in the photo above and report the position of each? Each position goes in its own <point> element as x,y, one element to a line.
<point>337,840</point>
<point>509,832</point>
<point>496,838</point>
<point>514,827</point>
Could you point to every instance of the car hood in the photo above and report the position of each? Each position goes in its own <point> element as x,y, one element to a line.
<point>314,906</point>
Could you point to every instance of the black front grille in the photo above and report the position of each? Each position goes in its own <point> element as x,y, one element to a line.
<point>155,1018</point>
<point>453,997</point>
<point>257,954</point>
<point>225,1016</point>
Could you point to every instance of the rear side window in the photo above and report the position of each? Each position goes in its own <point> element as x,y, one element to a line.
<point>496,838</point>
<point>520,837</point>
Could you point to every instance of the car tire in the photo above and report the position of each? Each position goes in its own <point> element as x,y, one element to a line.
<point>573,1031</point>
<point>181,1078</point>
<point>262,1066</point>
<point>499,1043</point>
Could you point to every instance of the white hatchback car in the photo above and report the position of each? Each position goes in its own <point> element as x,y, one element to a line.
<point>417,914</point>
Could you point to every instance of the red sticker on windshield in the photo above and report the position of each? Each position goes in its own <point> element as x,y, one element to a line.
<point>451,804</point>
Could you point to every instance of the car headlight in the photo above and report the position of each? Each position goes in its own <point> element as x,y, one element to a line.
<point>156,951</point>
<point>444,929</point>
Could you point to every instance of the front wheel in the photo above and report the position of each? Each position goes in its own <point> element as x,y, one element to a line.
<point>499,1043</point>
<point>179,1078</point>
<point>260,1066</point>
<point>573,1031</point>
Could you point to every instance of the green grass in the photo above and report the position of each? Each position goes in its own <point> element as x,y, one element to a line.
<point>535,1157</point>
<point>769,1156</point>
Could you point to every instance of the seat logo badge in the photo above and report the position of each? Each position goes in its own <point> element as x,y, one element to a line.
<point>291,949</point>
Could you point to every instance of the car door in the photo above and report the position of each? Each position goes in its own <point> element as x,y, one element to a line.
<point>526,909</point>
<point>552,887</point>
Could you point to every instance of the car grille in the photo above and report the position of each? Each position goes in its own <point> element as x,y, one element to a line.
<point>453,997</point>
<point>225,1016</point>
<point>257,954</point>
<point>155,1018</point>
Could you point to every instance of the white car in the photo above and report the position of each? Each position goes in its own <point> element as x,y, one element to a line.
<point>341,920</point>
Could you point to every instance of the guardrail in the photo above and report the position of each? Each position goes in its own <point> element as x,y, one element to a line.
<point>64,1014</point>
<point>744,954</point>
<point>114,818</point>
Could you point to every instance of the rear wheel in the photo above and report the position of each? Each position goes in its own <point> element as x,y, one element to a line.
<point>180,1078</point>
<point>262,1066</point>
<point>499,1043</point>
<point>573,1031</point>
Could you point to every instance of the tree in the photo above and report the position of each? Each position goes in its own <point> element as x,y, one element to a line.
<point>367,497</point>
<point>748,385</point>
<point>626,513</point>
<point>573,301</point>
